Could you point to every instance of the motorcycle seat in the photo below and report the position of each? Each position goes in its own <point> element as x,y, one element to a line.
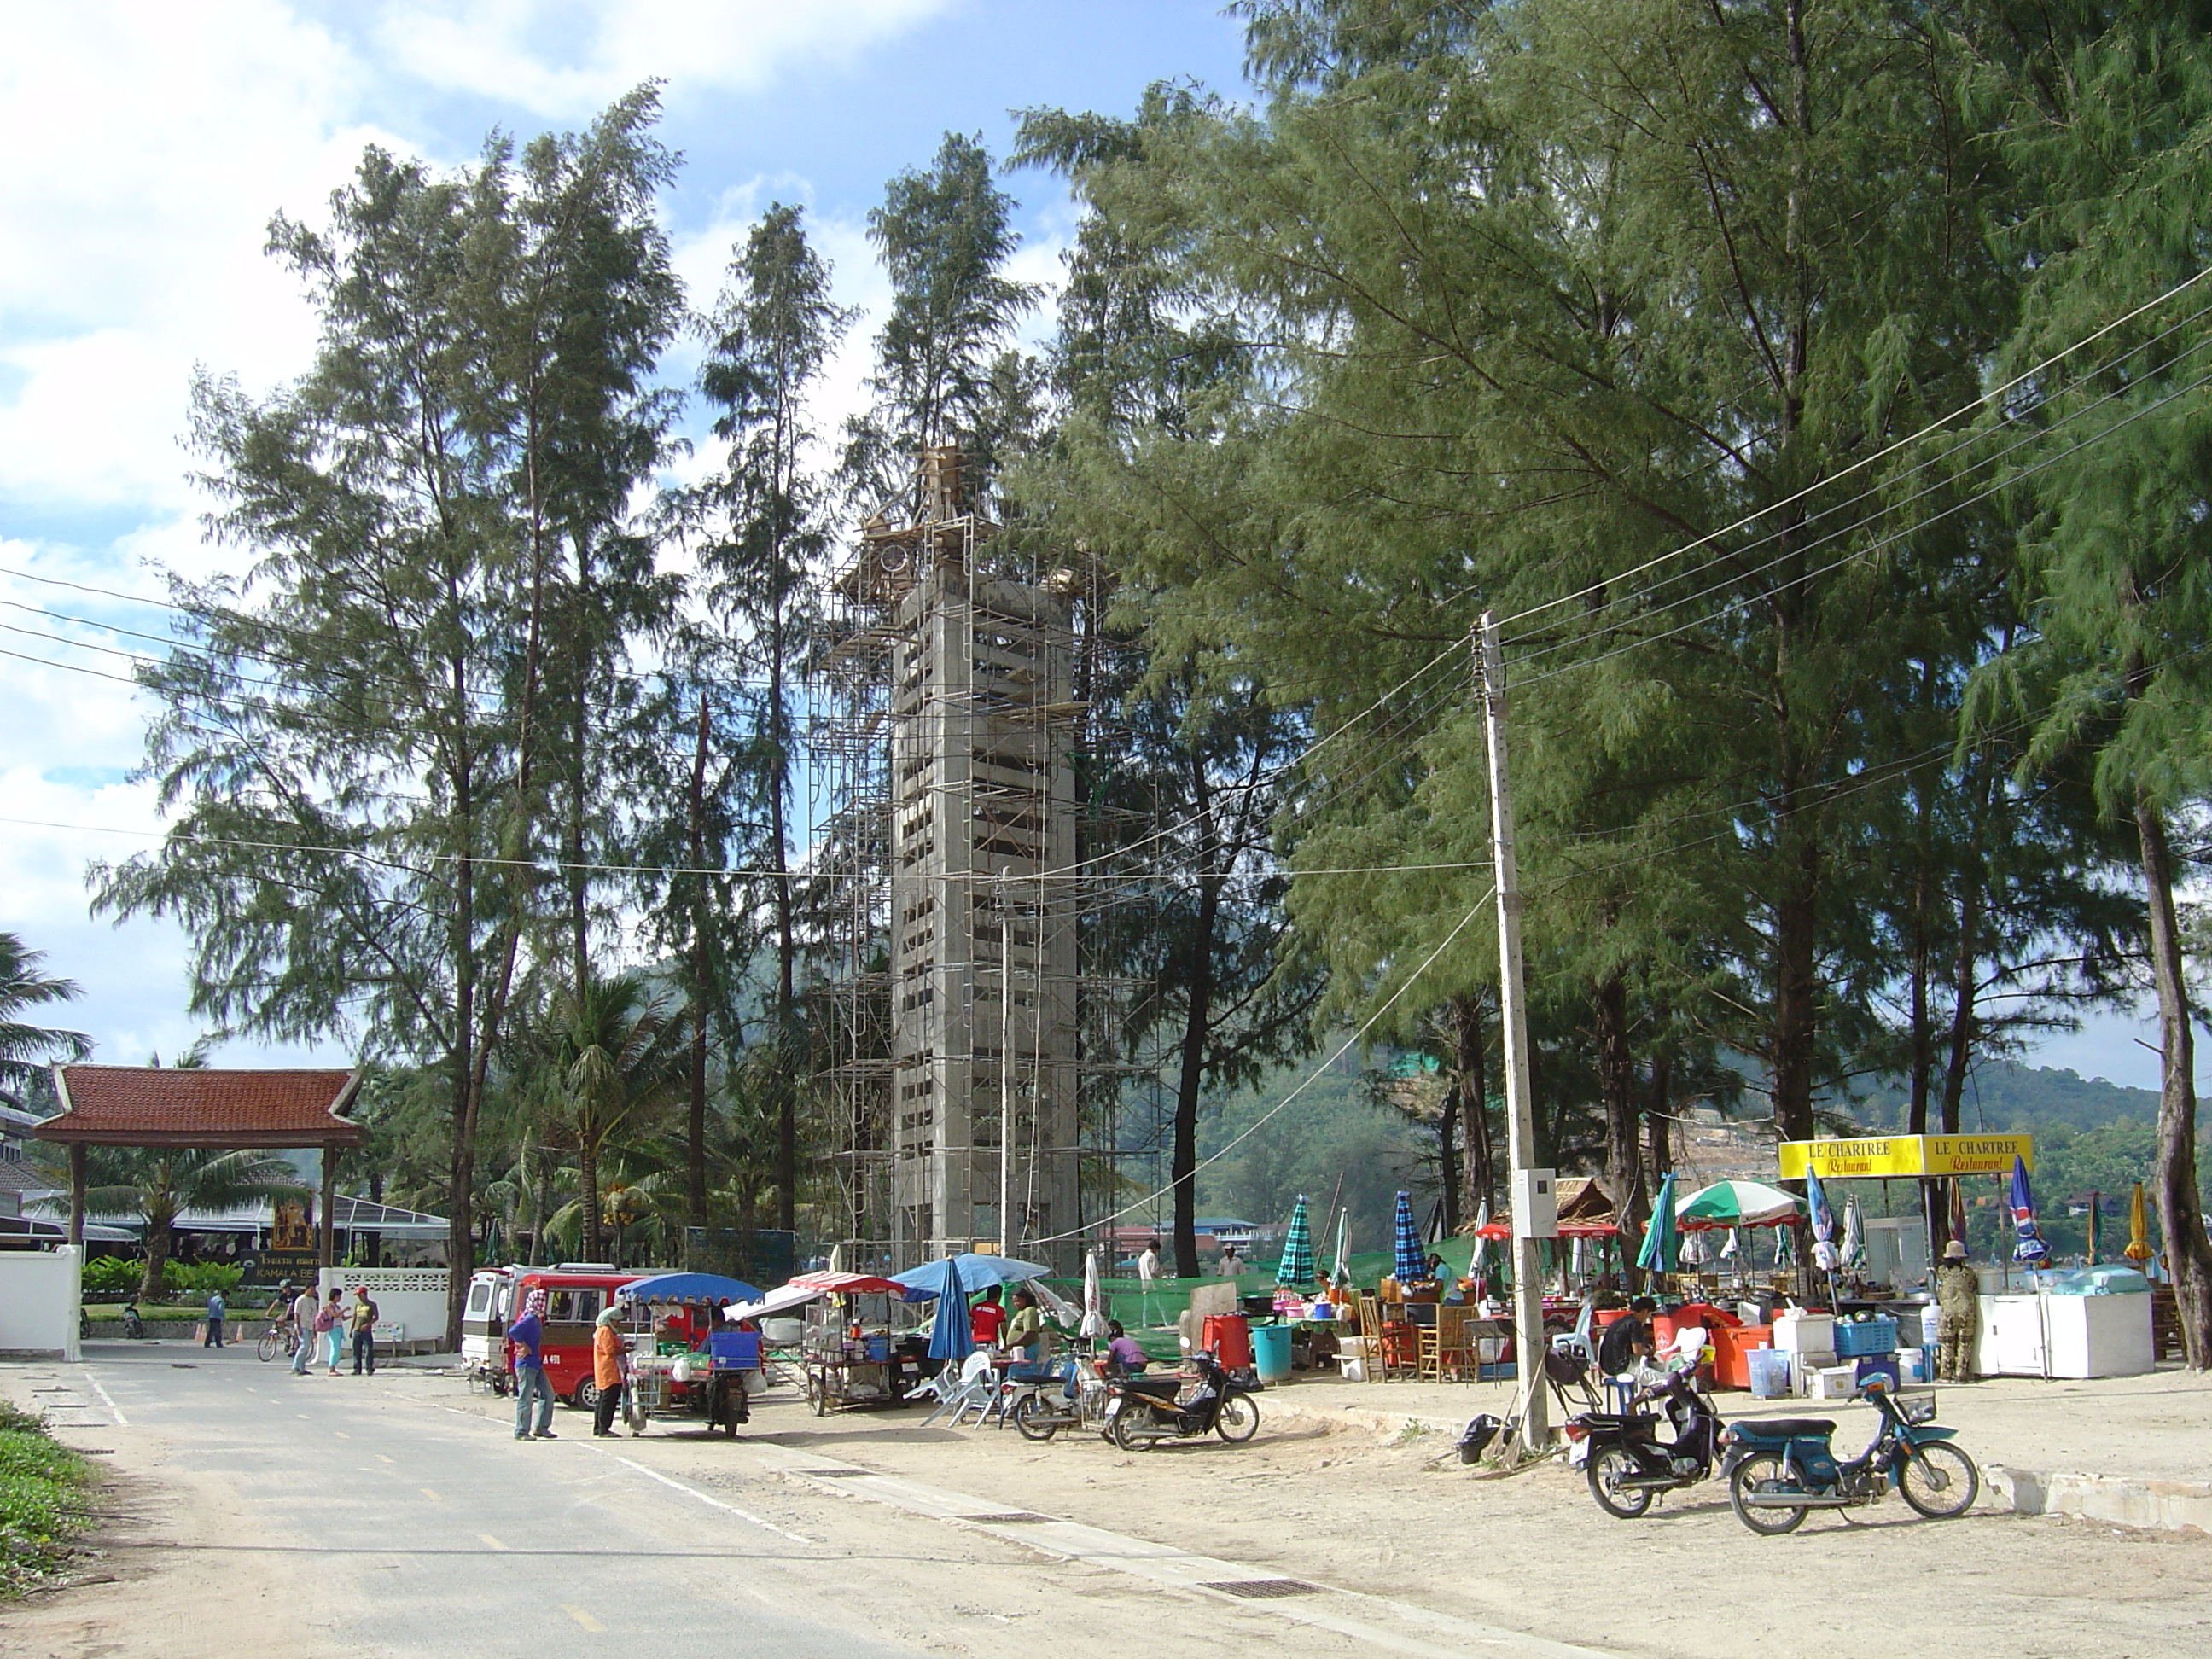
<point>1785,1428</point>
<point>1163,1386</point>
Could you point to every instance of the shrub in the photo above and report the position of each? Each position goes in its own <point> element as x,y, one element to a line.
<point>113,1275</point>
<point>201,1276</point>
<point>41,1498</point>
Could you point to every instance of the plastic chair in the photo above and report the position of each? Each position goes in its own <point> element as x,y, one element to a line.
<point>976,1390</point>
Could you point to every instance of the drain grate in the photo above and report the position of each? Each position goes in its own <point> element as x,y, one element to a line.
<point>1264,1589</point>
<point>1012,1518</point>
<point>829,1475</point>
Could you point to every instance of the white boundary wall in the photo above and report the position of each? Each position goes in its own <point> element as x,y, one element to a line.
<point>410,1302</point>
<point>40,1290</point>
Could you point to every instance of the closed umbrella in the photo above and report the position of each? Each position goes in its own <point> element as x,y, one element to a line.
<point>1662,1244</point>
<point>2138,1228</point>
<point>952,1333</point>
<point>1410,1262</point>
<point>2028,1245</point>
<point>1481,1242</point>
<point>1342,1274</point>
<point>1854,1250</point>
<point>1297,1267</point>
<point>1824,1224</point>
<point>1094,1311</point>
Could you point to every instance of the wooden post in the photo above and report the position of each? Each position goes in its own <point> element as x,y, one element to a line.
<point>76,1193</point>
<point>326,1237</point>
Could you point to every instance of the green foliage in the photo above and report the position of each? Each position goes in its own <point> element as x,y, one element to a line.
<point>106,1275</point>
<point>26,1049</point>
<point>199,1277</point>
<point>2007,1096</point>
<point>1335,1137</point>
<point>43,1500</point>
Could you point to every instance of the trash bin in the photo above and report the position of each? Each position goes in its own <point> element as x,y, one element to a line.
<point>1271,1351</point>
<point>1229,1337</point>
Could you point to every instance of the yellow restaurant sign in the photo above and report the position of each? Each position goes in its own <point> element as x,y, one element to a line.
<point>1906,1155</point>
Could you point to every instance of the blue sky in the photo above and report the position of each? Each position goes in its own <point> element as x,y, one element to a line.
<point>149,146</point>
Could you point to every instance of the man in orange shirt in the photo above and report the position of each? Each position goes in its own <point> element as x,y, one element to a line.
<point>607,1350</point>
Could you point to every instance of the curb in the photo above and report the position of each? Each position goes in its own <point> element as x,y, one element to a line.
<point>2118,1500</point>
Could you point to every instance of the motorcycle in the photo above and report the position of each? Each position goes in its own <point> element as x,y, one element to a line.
<point>1141,1410</point>
<point>134,1323</point>
<point>1780,1469</point>
<point>1625,1462</point>
<point>1079,1401</point>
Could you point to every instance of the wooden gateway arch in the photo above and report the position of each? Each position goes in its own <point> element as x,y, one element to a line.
<point>213,1111</point>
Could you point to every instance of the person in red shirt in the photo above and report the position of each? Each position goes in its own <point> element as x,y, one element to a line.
<point>987,1318</point>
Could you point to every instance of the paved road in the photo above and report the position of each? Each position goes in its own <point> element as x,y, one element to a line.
<point>398,1515</point>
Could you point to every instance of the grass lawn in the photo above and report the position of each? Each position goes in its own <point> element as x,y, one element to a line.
<point>43,1487</point>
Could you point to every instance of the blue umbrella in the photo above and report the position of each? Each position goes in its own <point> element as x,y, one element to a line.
<point>962,1273</point>
<point>2029,1246</point>
<point>1824,1224</point>
<point>952,1333</point>
<point>712,1289</point>
<point>1662,1244</point>
<point>1412,1262</point>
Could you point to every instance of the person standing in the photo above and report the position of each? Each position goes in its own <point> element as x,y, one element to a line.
<point>216,1311</point>
<point>329,1327</point>
<point>304,1312</point>
<point>362,1321</point>
<point>1148,1269</point>
<point>1230,1264</point>
<point>607,1349</point>
<point>1958,1315</point>
<point>526,1340</point>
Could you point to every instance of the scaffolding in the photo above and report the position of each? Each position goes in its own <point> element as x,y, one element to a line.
<point>966,1055</point>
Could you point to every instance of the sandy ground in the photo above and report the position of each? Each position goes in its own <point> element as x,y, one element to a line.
<point>1317,1497</point>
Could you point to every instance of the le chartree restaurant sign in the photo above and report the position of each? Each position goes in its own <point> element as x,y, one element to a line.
<point>1906,1155</point>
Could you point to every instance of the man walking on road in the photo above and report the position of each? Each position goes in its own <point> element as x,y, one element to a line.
<point>362,1323</point>
<point>303,1322</point>
<point>216,1311</point>
<point>1958,1315</point>
<point>525,1338</point>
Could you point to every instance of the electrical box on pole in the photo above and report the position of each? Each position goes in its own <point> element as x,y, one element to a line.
<point>1530,1187</point>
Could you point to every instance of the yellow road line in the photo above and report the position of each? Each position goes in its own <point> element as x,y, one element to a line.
<point>491,1540</point>
<point>432,1496</point>
<point>381,1458</point>
<point>341,1434</point>
<point>581,1617</point>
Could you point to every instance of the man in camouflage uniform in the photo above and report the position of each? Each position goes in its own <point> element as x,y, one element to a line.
<point>1959,1314</point>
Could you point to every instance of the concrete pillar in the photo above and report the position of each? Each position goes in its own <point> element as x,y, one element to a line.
<point>76,1193</point>
<point>326,1239</point>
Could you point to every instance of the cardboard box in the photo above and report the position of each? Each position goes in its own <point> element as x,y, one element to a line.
<point>1830,1382</point>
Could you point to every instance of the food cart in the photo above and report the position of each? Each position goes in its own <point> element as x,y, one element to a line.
<point>850,1353</point>
<point>682,1367</point>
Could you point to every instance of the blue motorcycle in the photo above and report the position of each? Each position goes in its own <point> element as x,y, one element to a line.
<point>1779,1469</point>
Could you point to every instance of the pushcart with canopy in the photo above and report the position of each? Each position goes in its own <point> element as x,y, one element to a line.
<point>681,1365</point>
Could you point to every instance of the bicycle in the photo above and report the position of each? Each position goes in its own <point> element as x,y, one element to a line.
<point>277,1338</point>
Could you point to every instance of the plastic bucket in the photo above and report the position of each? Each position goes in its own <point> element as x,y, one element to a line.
<point>1769,1371</point>
<point>1271,1351</point>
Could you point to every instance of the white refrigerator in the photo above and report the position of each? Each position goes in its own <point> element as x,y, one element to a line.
<point>2075,1336</point>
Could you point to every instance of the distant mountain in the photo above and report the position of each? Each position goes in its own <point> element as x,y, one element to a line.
<point>2003,1095</point>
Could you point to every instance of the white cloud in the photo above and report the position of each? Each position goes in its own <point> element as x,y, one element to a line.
<point>569,57</point>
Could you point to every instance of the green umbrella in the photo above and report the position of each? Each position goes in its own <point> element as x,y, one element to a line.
<point>1297,1267</point>
<point>1662,1243</point>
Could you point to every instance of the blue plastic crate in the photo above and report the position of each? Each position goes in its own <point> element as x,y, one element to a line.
<point>740,1350</point>
<point>1874,1336</point>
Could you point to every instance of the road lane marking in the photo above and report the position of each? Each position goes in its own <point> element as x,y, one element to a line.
<point>731,1509</point>
<point>341,1434</point>
<point>581,1617</point>
<point>432,1496</point>
<point>381,1458</point>
<point>121,1421</point>
<point>491,1540</point>
<point>1165,1565</point>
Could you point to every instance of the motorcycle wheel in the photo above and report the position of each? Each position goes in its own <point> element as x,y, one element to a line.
<point>1238,1420</point>
<point>1035,1418</point>
<point>266,1349</point>
<point>1126,1438</point>
<point>1940,1480</point>
<point>1607,1467</point>
<point>1756,1473</point>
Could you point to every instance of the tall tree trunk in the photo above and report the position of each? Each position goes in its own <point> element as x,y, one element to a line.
<point>1617,1092</point>
<point>587,1200</point>
<point>1448,1158</point>
<point>1468,1035</point>
<point>1965,986</point>
<point>2173,1175</point>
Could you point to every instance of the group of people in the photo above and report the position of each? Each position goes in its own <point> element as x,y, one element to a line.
<point>325,1326</point>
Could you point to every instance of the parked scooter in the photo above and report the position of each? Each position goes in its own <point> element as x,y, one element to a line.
<point>1071,1402</point>
<point>1626,1463</point>
<point>1143,1409</point>
<point>1780,1467</point>
<point>134,1323</point>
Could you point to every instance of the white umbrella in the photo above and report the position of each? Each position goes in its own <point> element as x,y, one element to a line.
<point>1854,1250</point>
<point>1734,1240</point>
<point>1343,1272</point>
<point>1481,1244</point>
<point>1094,1318</point>
<point>1056,1306</point>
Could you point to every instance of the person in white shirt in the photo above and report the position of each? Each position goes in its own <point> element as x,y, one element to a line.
<point>1148,1269</point>
<point>303,1321</point>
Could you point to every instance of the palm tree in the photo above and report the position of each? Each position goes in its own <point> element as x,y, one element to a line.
<point>157,1184</point>
<point>26,1050</point>
<point>614,1055</point>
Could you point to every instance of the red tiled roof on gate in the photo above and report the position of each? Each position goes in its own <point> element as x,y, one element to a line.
<point>154,1106</point>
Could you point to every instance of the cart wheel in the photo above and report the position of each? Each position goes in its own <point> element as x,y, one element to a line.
<point>586,1395</point>
<point>818,1396</point>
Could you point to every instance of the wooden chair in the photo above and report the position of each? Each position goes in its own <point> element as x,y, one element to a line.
<point>1392,1348</point>
<point>1447,1350</point>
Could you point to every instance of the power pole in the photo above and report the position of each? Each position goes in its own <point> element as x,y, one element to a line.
<point>1535,1211</point>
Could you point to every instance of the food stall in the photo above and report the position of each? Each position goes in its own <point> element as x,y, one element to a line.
<point>850,1353</point>
<point>681,1366</point>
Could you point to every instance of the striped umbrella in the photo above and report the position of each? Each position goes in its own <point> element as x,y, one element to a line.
<point>1411,1262</point>
<point>1662,1245</point>
<point>2030,1247</point>
<point>1297,1267</point>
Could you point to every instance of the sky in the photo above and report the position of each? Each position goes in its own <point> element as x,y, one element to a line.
<point>150,147</point>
